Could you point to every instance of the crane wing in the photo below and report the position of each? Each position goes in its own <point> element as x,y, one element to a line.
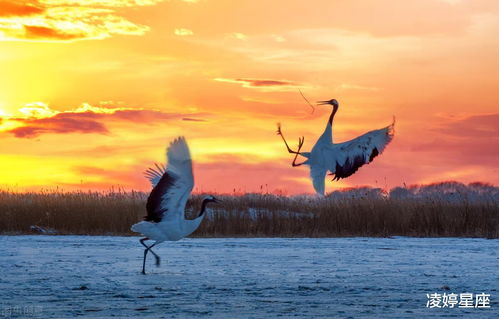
<point>154,174</point>
<point>344,159</point>
<point>169,196</point>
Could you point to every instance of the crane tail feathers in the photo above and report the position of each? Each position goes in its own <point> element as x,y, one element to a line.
<point>318,179</point>
<point>144,228</point>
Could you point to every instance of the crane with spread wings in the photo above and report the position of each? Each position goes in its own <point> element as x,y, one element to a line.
<point>172,185</point>
<point>340,159</point>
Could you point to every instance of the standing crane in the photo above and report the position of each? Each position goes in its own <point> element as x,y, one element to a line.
<point>341,159</point>
<point>165,220</point>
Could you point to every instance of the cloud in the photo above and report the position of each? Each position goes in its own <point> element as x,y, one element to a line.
<point>278,38</point>
<point>473,140</point>
<point>39,119</point>
<point>104,3</point>
<point>452,1</point>
<point>67,20</point>
<point>347,86</point>
<point>37,109</point>
<point>237,35</point>
<point>183,32</point>
<point>15,8</point>
<point>264,84</point>
<point>192,119</point>
<point>60,123</point>
<point>32,32</point>
<point>479,126</point>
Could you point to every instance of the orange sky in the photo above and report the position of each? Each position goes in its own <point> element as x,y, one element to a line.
<point>92,91</point>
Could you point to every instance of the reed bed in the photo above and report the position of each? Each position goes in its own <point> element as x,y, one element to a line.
<point>368,212</point>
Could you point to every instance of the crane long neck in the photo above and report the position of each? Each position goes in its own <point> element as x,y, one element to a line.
<point>190,225</point>
<point>203,207</point>
<point>333,113</point>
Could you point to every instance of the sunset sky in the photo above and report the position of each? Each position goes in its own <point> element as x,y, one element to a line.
<point>92,91</point>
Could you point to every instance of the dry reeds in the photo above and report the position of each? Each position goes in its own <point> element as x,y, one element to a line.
<point>358,212</point>
<point>71,212</point>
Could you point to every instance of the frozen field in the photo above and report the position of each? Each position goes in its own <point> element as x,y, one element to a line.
<point>99,277</point>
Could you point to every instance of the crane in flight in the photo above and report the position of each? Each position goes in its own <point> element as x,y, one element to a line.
<point>165,219</point>
<point>340,159</point>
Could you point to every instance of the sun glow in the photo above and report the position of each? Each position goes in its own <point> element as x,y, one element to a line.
<point>2,110</point>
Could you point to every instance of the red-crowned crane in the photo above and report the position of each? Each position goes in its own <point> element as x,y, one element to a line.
<point>165,220</point>
<point>341,159</point>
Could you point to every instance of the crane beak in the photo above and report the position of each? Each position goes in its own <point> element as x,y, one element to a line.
<point>323,102</point>
<point>216,200</point>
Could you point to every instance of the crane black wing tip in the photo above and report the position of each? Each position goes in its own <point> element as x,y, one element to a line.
<point>374,153</point>
<point>175,141</point>
<point>178,142</point>
<point>154,174</point>
<point>348,168</point>
<point>159,170</point>
<point>178,139</point>
<point>391,128</point>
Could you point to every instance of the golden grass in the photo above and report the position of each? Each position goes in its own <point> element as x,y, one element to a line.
<point>255,215</point>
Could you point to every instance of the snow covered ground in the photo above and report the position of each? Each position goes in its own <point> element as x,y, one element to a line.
<point>99,277</point>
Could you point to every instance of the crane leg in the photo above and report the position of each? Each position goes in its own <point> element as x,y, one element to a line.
<point>279,132</point>
<point>144,261</point>
<point>145,255</point>
<point>300,144</point>
<point>158,260</point>
<point>294,164</point>
<point>148,248</point>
